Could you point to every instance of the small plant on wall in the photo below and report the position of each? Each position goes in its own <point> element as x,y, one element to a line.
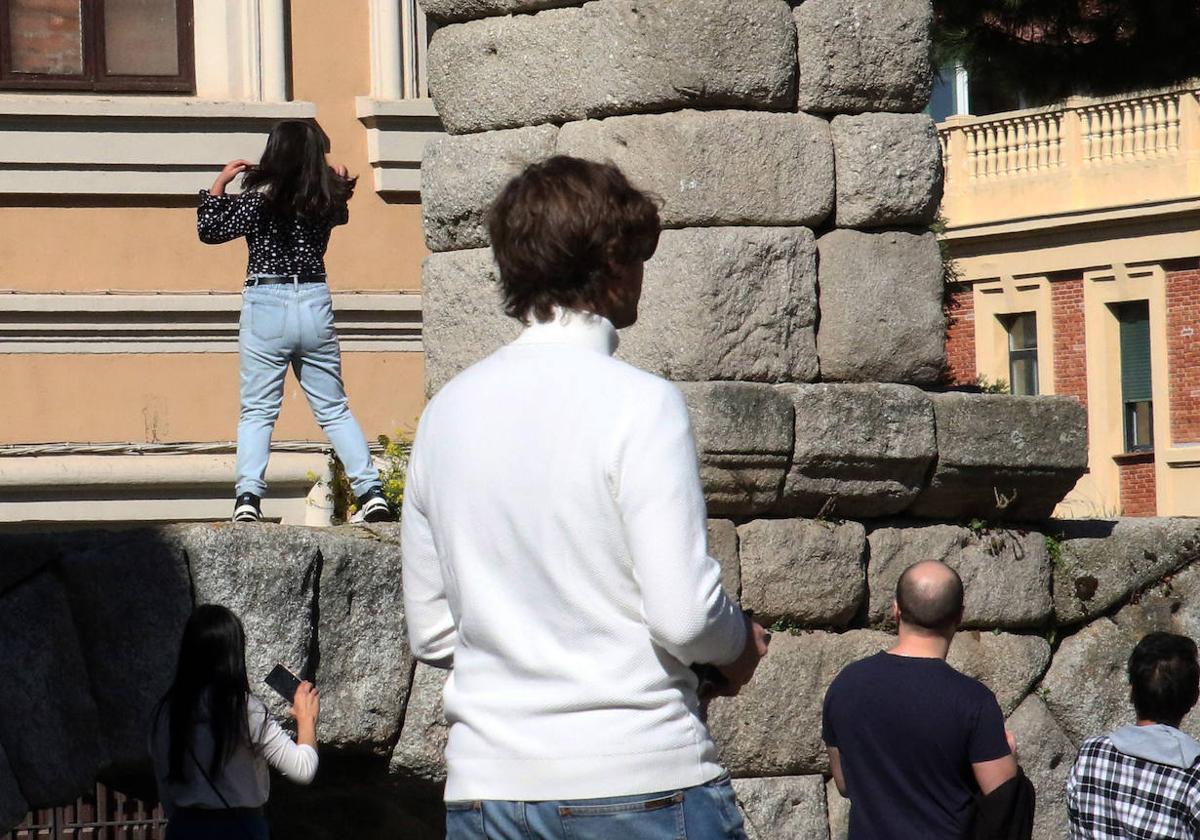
<point>392,462</point>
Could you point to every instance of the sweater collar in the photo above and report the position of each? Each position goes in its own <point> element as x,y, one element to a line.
<point>569,326</point>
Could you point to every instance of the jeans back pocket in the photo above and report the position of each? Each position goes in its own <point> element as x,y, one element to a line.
<point>267,319</point>
<point>654,818</point>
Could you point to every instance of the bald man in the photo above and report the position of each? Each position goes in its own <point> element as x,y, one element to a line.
<point>912,741</point>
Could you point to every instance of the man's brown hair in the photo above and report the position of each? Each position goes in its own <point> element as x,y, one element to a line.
<point>559,227</point>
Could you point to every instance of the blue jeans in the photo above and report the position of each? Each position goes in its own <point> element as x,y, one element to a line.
<point>704,812</point>
<point>284,325</point>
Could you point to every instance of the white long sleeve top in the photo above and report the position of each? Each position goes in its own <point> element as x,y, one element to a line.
<point>554,543</point>
<point>245,781</point>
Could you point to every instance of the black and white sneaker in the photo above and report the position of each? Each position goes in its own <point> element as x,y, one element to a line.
<point>246,509</point>
<point>373,507</point>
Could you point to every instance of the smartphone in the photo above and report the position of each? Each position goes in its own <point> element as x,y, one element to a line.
<point>284,682</point>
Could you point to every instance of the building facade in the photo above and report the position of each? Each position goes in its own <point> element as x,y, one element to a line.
<point>1075,234</point>
<point>118,328</point>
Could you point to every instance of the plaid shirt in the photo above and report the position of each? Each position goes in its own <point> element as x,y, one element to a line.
<point>1114,795</point>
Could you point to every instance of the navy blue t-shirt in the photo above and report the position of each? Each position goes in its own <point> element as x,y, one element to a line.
<point>908,730</point>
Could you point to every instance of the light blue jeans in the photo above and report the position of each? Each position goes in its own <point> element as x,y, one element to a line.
<point>282,325</point>
<point>704,812</point>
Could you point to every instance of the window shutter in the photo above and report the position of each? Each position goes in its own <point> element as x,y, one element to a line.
<point>1135,351</point>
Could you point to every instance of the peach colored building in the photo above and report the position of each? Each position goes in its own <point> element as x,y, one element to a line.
<point>1076,233</point>
<point>118,328</point>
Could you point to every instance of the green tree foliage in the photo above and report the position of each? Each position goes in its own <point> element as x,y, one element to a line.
<point>1046,50</point>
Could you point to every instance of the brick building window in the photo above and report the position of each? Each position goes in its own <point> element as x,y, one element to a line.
<point>129,46</point>
<point>1022,353</point>
<point>1136,388</point>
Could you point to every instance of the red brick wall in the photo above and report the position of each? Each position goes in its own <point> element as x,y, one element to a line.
<point>1070,346</point>
<point>1183,349</point>
<point>960,336</point>
<point>1138,492</point>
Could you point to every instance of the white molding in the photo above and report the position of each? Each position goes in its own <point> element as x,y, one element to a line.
<point>117,489</point>
<point>187,323</point>
<point>397,133</point>
<point>240,48</point>
<point>386,80</point>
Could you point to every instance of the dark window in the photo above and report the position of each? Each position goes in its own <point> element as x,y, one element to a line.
<point>102,45</point>
<point>1022,353</point>
<point>1136,390</point>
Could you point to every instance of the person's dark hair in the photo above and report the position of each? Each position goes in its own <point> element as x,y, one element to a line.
<point>559,227</point>
<point>932,606</point>
<point>1164,677</point>
<point>293,176</point>
<point>210,680</point>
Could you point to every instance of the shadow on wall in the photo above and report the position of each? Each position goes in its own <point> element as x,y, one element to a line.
<point>91,623</point>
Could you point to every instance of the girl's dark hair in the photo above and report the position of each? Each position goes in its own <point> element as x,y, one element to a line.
<point>1164,677</point>
<point>559,227</point>
<point>293,176</point>
<point>212,672</point>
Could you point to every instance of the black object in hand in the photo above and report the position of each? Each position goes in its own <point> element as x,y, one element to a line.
<point>711,680</point>
<point>284,682</point>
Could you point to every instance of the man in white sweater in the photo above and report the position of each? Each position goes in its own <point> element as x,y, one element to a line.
<point>555,548</point>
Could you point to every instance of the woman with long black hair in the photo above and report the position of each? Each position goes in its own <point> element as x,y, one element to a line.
<point>290,203</point>
<point>213,740</point>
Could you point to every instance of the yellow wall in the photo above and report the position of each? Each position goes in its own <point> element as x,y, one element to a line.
<point>168,398</point>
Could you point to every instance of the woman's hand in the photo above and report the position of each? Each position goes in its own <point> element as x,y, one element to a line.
<point>340,170</point>
<point>306,705</point>
<point>232,169</point>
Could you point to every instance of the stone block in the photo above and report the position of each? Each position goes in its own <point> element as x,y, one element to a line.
<point>455,11</point>
<point>864,55</point>
<point>464,314</point>
<point>718,167</point>
<point>1047,756</point>
<point>1102,563</point>
<point>1009,665</point>
<point>130,595</point>
<point>744,439</point>
<point>613,57</point>
<point>783,808</point>
<point>268,575</point>
<point>50,726</point>
<point>861,450</point>
<point>881,307</point>
<point>723,547</point>
<point>1086,688</point>
<point>420,752</point>
<point>838,807</point>
<point>1006,574</point>
<point>462,175</point>
<point>889,170</point>
<point>728,303</point>
<point>365,662</point>
<point>803,571</point>
<point>787,691</point>
<point>1004,458</point>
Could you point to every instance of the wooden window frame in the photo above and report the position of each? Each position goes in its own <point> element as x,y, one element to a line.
<point>93,79</point>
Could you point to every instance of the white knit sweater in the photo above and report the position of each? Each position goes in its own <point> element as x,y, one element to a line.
<point>555,554</point>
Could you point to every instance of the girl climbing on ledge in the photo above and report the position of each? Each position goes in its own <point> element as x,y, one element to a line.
<point>290,203</point>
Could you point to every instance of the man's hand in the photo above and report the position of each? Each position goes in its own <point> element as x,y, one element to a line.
<point>739,672</point>
<point>232,169</point>
<point>340,170</point>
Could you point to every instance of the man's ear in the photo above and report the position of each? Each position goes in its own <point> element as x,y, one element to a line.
<point>895,613</point>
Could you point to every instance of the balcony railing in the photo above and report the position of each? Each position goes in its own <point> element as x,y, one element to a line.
<point>1083,156</point>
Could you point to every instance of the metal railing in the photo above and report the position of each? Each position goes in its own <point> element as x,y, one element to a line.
<point>105,815</point>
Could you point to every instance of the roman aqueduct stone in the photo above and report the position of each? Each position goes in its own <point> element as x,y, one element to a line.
<point>419,752</point>
<point>1006,574</point>
<point>462,175</point>
<point>612,57</point>
<point>881,307</point>
<point>783,807</point>
<point>1008,664</point>
<point>454,11</point>
<point>838,808</point>
<point>861,449</point>
<point>718,167</point>
<point>728,303</point>
<point>864,55</point>
<point>1102,563</point>
<point>803,571</point>
<point>1086,689</point>
<point>1046,755</point>
<point>744,439</point>
<point>889,170</point>
<point>1004,458</point>
<point>723,547</point>
<point>785,696</point>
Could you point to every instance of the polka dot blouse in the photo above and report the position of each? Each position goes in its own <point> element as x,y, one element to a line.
<point>277,245</point>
